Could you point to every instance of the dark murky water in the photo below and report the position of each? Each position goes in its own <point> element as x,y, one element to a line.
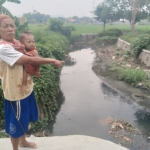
<point>88,102</point>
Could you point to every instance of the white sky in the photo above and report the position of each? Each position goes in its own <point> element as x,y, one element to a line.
<point>54,8</point>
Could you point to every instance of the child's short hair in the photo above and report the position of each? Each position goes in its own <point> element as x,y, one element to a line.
<point>22,35</point>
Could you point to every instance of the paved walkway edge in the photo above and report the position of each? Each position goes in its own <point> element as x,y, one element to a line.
<point>71,142</point>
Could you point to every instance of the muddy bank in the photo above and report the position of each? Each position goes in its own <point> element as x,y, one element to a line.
<point>102,68</point>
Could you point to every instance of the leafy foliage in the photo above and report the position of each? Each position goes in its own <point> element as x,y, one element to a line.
<point>19,27</point>
<point>46,88</point>
<point>132,10</point>
<point>103,13</point>
<point>108,37</point>
<point>128,4</point>
<point>111,32</point>
<point>58,26</point>
<point>74,38</point>
<point>4,10</point>
<point>132,76</point>
<point>139,16</point>
<point>106,40</point>
<point>141,43</point>
<point>106,13</point>
<point>15,1</point>
<point>36,17</point>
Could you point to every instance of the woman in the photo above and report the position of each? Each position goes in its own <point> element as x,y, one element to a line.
<point>20,109</point>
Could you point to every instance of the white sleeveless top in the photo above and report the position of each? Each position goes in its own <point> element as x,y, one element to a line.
<point>11,74</point>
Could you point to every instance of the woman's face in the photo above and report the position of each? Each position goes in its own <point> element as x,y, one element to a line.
<point>7,30</point>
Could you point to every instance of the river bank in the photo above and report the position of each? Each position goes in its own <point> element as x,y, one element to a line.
<point>109,57</point>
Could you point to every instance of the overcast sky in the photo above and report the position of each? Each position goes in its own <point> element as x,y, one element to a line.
<point>55,8</point>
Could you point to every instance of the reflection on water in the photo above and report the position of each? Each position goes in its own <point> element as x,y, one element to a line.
<point>61,100</point>
<point>89,103</point>
<point>108,91</point>
<point>69,61</point>
<point>143,120</point>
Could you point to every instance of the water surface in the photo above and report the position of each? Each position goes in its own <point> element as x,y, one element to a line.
<point>88,102</point>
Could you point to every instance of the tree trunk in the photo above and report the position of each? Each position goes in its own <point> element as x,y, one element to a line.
<point>104,25</point>
<point>134,13</point>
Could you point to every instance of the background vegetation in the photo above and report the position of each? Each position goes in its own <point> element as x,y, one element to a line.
<point>53,38</point>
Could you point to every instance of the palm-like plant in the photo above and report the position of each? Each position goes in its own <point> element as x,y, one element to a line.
<point>4,10</point>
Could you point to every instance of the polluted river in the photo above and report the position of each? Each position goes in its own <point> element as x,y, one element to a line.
<point>89,107</point>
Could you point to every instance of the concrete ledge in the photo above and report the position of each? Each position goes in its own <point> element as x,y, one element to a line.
<point>72,142</point>
<point>144,50</point>
<point>145,57</point>
<point>123,44</point>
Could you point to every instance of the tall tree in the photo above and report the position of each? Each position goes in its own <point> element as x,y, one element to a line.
<point>133,10</point>
<point>106,13</point>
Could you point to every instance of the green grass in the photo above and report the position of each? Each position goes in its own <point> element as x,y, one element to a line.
<point>36,27</point>
<point>91,28</point>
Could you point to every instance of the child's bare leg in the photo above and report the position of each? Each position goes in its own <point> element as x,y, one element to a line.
<point>37,72</point>
<point>24,83</point>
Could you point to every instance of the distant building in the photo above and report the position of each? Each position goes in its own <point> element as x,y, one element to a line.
<point>22,20</point>
<point>70,19</point>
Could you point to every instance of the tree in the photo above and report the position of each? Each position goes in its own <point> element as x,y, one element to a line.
<point>133,10</point>
<point>58,26</point>
<point>4,10</point>
<point>105,13</point>
<point>139,16</point>
<point>36,17</point>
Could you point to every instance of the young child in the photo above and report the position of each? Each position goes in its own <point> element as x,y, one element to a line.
<point>27,39</point>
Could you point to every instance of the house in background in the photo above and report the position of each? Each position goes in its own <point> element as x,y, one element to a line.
<point>22,20</point>
<point>71,20</point>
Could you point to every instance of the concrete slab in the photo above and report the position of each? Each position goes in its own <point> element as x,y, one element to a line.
<point>72,142</point>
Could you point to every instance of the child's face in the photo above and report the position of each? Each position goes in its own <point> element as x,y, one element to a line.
<point>29,42</point>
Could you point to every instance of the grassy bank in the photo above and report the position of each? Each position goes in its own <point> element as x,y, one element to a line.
<point>92,28</point>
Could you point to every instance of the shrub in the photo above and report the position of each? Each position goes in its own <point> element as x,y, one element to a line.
<point>58,26</point>
<point>20,27</point>
<point>74,38</point>
<point>106,40</point>
<point>49,44</point>
<point>132,76</point>
<point>111,32</point>
<point>141,43</point>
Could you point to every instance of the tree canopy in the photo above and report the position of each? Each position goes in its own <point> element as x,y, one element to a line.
<point>36,17</point>
<point>105,13</point>
<point>132,10</point>
<point>4,10</point>
<point>15,1</point>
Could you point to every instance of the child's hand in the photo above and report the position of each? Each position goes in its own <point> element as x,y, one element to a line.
<point>37,74</point>
<point>17,48</point>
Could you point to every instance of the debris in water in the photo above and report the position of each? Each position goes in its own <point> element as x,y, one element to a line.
<point>123,131</point>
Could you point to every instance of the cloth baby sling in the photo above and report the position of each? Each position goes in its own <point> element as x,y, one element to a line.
<point>30,69</point>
